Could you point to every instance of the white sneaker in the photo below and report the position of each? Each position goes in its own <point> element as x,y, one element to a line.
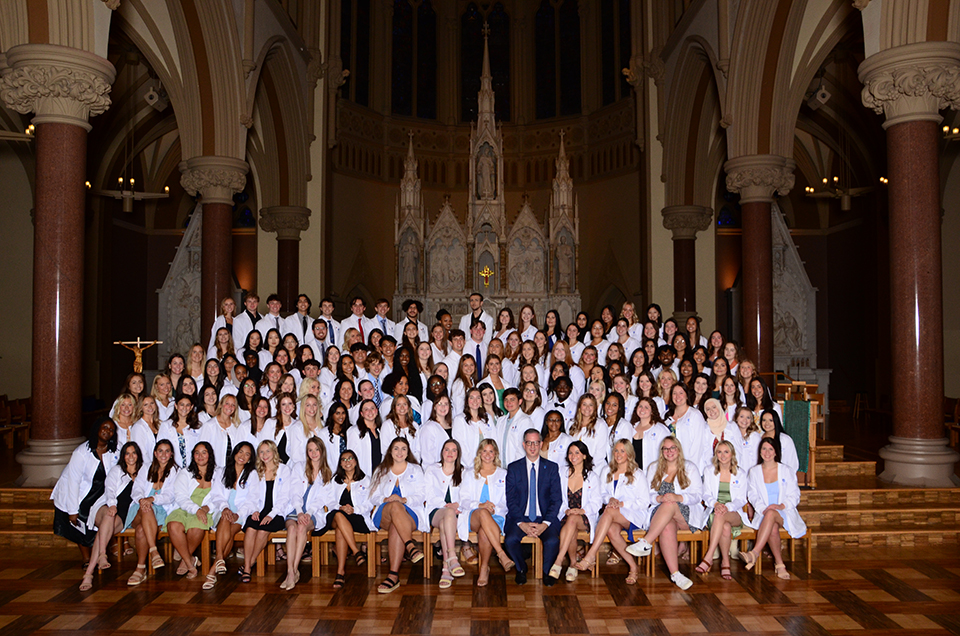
<point>640,549</point>
<point>681,581</point>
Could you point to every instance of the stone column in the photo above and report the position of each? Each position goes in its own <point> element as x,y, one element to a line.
<point>216,179</point>
<point>757,178</point>
<point>685,221</point>
<point>64,87</point>
<point>287,221</point>
<point>910,84</point>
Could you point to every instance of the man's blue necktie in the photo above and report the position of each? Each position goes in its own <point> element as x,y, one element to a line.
<point>532,512</point>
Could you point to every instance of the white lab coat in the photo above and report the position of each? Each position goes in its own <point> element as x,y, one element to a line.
<point>412,488</point>
<point>591,498</point>
<point>470,490</point>
<point>738,492</point>
<point>691,494</point>
<point>789,496</point>
<point>635,497</point>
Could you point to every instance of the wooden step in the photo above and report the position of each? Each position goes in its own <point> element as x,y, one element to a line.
<point>826,499</point>
<point>20,496</point>
<point>894,521</point>
<point>829,452</point>
<point>862,535</point>
<point>846,469</point>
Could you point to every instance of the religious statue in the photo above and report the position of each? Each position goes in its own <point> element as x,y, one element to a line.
<point>138,348</point>
<point>408,267</point>
<point>564,265</point>
<point>486,173</point>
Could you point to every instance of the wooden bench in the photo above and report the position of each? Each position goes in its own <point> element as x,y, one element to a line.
<point>749,534</point>
<point>430,537</point>
<point>321,554</point>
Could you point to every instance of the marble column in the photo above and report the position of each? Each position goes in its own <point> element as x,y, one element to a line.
<point>910,84</point>
<point>287,221</point>
<point>757,178</point>
<point>685,221</point>
<point>64,87</point>
<point>216,179</point>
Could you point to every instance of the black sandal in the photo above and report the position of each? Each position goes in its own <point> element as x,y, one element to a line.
<point>359,557</point>
<point>389,586</point>
<point>338,582</point>
<point>414,553</point>
<point>244,576</point>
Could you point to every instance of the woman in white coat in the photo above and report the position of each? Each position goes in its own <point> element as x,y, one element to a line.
<point>590,429</point>
<point>194,515</point>
<point>473,426</point>
<point>555,441</point>
<point>646,432</point>
<point>310,424</point>
<point>724,496</point>
<point>313,474</point>
<point>581,490</point>
<point>153,499</point>
<point>183,430</point>
<point>397,493</point>
<point>334,432</point>
<point>81,483</point>
<point>443,505</point>
<point>348,512</point>
<point>689,426</point>
<point>268,504</point>
<point>483,500</point>
<point>675,486</point>
<point>366,438</point>
<point>112,508</point>
<point>774,493</point>
<point>230,492</point>
<point>626,495</point>
<point>747,451</point>
<point>772,428</point>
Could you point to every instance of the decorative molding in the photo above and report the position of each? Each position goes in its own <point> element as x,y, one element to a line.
<point>686,220</point>
<point>113,5</point>
<point>912,82</point>
<point>654,66</point>
<point>334,71</point>
<point>246,120</point>
<point>860,4</point>
<point>286,220</point>
<point>216,179</point>
<point>758,177</point>
<point>58,83</point>
<point>315,67</point>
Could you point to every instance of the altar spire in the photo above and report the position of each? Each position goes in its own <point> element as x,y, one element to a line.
<point>486,96</point>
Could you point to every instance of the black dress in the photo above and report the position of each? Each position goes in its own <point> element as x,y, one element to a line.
<point>276,524</point>
<point>356,521</point>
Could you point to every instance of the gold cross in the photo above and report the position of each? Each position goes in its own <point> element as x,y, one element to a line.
<point>486,273</point>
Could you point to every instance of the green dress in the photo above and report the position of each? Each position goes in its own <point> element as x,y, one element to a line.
<point>723,496</point>
<point>188,520</point>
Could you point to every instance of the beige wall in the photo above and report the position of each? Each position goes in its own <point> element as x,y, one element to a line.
<point>950,230</point>
<point>16,284</point>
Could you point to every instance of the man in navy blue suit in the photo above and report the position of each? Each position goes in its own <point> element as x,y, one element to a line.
<point>532,511</point>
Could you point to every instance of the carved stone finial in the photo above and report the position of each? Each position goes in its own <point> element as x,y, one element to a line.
<point>60,84</point>
<point>860,4</point>
<point>912,82</point>
<point>246,120</point>
<point>113,5</point>
<point>216,179</point>
<point>758,177</point>
<point>686,220</point>
<point>286,220</point>
<point>315,67</point>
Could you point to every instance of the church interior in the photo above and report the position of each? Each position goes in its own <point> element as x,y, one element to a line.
<point>785,170</point>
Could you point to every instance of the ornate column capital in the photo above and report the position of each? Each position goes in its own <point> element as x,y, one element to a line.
<point>217,179</point>
<point>58,83</point>
<point>758,177</point>
<point>686,220</point>
<point>912,82</point>
<point>286,220</point>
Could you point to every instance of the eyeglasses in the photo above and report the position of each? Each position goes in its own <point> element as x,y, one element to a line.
<point>669,448</point>
<point>346,460</point>
<point>536,443</point>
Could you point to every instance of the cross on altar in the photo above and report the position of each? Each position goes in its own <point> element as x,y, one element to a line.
<point>138,347</point>
<point>486,273</point>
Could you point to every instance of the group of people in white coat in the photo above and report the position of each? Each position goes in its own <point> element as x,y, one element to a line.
<point>487,432</point>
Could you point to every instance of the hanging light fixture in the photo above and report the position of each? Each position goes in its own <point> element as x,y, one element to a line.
<point>125,191</point>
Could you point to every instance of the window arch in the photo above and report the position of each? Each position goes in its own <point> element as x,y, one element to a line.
<point>557,58</point>
<point>355,49</point>
<point>414,77</point>
<point>471,58</point>
<point>615,49</point>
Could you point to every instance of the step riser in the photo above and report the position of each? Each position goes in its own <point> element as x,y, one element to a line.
<point>829,453</point>
<point>897,522</point>
<point>904,540</point>
<point>879,498</point>
<point>10,497</point>
<point>846,469</point>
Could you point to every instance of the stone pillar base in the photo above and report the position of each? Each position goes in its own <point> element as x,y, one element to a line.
<point>44,459</point>
<point>927,463</point>
<point>681,318</point>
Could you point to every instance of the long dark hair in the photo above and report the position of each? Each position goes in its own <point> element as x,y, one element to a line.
<point>457,466</point>
<point>341,475</point>
<point>587,459</point>
<point>153,475</point>
<point>123,452</point>
<point>211,463</point>
<point>329,425</point>
<point>93,436</point>
<point>766,403</point>
<point>230,477</point>
<point>387,464</point>
<point>363,429</point>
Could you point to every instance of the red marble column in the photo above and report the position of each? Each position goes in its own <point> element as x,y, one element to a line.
<point>757,281</point>
<point>684,276</point>
<point>916,278</point>
<point>216,280</point>
<point>288,271</point>
<point>58,280</point>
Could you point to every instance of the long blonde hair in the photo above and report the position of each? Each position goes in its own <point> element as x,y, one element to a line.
<point>734,466</point>
<point>478,463</point>
<point>325,473</point>
<point>682,479</point>
<point>632,465</point>
<point>262,467</point>
<point>578,420</point>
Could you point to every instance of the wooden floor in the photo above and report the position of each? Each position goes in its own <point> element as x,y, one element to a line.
<point>864,591</point>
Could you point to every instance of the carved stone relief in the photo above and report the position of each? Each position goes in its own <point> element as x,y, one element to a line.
<point>179,306</point>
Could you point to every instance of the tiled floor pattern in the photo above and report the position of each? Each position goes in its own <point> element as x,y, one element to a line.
<point>870,592</point>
